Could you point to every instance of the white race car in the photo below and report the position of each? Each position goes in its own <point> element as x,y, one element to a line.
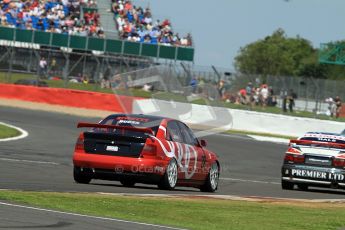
<point>316,159</point>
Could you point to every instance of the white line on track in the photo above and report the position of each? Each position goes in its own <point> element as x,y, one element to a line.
<point>250,181</point>
<point>28,161</point>
<point>255,138</point>
<point>87,216</point>
<point>270,139</point>
<point>22,131</point>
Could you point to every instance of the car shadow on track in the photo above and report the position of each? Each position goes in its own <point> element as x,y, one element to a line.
<point>321,190</point>
<point>143,187</point>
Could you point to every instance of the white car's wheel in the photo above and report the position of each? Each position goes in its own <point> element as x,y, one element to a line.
<point>303,187</point>
<point>286,185</point>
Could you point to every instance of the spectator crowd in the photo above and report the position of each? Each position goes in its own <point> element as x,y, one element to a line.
<point>136,24</point>
<point>251,95</point>
<point>58,16</point>
<point>64,16</point>
<point>260,95</point>
<point>255,95</point>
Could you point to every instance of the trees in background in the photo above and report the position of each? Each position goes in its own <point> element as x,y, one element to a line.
<point>280,55</point>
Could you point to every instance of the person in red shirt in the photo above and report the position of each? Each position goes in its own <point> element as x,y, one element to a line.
<point>96,18</point>
<point>128,5</point>
<point>20,14</point>
<point>242,94</point>
<point>93,29</point>
<point>127,27</point>
<point>166,22</point>
<point>34,4</point>
<point>87,17</point>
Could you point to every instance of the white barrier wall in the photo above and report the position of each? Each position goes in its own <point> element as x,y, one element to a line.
<point>217,117</point>
<point>281,124</point>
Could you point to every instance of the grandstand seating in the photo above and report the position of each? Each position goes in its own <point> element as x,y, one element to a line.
<point>74,25</point>
<point>136,24</point>
<point>67,17</point>
<point>58,16</point>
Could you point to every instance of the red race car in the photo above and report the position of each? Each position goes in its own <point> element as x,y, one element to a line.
<point>144,149</point>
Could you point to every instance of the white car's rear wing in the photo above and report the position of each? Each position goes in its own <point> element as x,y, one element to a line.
<point>312,143</point>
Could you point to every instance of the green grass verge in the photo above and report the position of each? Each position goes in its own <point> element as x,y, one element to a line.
<point>6,132</point>
<point>259,134</point>
<point>5,78</point>
<point>190,213</point>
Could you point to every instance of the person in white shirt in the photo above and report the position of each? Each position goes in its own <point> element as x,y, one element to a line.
<point>264,95</point>
<point>43,66</point>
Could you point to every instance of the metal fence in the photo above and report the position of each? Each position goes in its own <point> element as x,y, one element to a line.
<point>171,77</point>
<point>311,93</point>
<point>176,79</point>
<point>63,65</point>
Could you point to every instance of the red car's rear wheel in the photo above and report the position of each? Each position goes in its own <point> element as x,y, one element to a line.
<point>169,179</point>
<point>127,183</point>
<point>80,176</point>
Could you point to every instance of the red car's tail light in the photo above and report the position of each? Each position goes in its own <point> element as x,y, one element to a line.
<point>79,145</point>
<point>294,155</point>
<point>149,150</point>
<point>337,162</point>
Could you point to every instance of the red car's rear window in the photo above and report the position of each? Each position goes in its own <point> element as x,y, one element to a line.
<point>134,121</point>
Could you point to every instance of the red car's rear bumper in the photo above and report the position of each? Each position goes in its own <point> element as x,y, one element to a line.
<point>120,164</point>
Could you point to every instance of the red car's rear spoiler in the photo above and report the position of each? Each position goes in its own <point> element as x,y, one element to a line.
<point>326,144</point>
<point>136,129</point>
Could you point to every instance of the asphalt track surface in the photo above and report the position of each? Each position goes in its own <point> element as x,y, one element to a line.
<point>37,218</point>
<point>42,162</point>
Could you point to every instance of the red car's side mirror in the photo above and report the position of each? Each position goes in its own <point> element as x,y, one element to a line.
<point>203,143</point>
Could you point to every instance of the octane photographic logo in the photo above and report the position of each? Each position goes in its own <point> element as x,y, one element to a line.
<point>171,99</point>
